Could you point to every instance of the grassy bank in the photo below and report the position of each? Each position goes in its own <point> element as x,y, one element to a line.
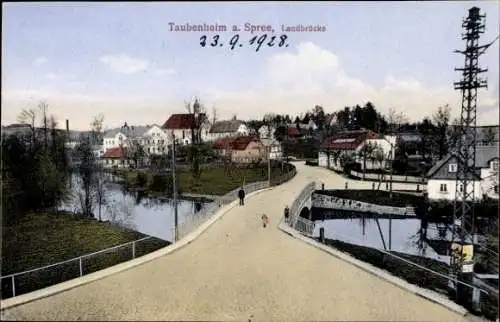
<point>213,181</point>
<point>411,273</point>
<point>36,240</point>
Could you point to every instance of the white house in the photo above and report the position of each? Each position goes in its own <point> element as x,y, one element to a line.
<point>266,132</point>
<point>180,125</point>
<point>275,150</point>
<point>155,140</point>
<point>225,129</point>
<point>114,138</point>
<point>341,144</point>
<point>386,146</point>
<point>441,182</point>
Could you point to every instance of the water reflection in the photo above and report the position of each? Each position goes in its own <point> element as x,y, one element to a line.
<point>131,209</point>
<point>409,236</point>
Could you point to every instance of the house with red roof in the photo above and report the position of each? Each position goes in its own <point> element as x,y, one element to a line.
<point>116,158</point>
<point>243,149</point>
<point>341,145</point>
<point>180,125</point>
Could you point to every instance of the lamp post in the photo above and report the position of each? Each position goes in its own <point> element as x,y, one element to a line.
<point>174,188</point>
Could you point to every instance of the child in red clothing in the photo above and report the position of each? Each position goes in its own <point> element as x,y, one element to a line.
<point>265,220</point>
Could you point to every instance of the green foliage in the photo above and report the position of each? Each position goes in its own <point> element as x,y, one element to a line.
<point>34,174</point>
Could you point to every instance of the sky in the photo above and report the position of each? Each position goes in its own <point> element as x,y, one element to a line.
<point>124,61</point>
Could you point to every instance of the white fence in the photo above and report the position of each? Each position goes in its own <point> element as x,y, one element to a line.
<point>66,270</point>
<point>387,177</point>
<point>193,221</point>
<point>331,202</point>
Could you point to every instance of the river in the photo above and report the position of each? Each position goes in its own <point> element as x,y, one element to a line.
<point>150,216</point>
<point>406,235</point>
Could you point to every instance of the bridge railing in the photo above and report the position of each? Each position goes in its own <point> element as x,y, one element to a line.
<point>37,278</point>
<point>302,225</point>
<point>193,221</point>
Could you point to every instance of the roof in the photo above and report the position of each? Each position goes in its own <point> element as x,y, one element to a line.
<point>293,131</point>
<point>115,153</point>
<point>485,153</point>
<point>348,140</point>
<point>230,126</point>
<point>133,131</point>
<point>180,121</point>
<point>482,133</point>
<point>239,143</point>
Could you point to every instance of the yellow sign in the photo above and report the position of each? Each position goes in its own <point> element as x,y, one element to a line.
<point>465,252</point>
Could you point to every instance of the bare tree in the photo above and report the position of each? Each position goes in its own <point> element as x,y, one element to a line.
<point>214,114</point>
<point>395,118</point>
<point>28,116</point>
<point>100,194</point>
<point>379,156</point>
<point>365,153</point>
<point>43,107</point>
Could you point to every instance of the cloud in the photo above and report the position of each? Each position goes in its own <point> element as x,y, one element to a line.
<point>168,71</point>
<point>39,61</point>
<point>124,64</point>
<point>52,76</point>
<point>296,81</point>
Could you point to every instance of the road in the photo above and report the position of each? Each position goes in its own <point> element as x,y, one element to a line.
<point>238,270</point>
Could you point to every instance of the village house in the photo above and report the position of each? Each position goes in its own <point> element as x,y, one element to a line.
<point>267,131</point>
<point>341,145</point>
<point>244,149</point>
<point>116,158</point>
<point>441,178</point>
<point>155,140</point>
<point>273,147</point>
<point>230,128</point>
<point>180,127</point>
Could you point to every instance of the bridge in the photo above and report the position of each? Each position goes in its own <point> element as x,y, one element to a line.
<point>237,270</point>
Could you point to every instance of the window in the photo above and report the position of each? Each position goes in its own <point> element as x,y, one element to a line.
<point>443,187</point>
<point>452,167</point>
<point>461,187</point>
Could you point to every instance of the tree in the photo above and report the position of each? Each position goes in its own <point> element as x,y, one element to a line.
<point>87,177</point>
<point>441,119</point>
<point>395,119</point>
<point>488,136</point>
<point>214,114</point>
<point>99,184</point>
<point>319,117</point>
<point>489,248</point>
<point>28,116</point>
<point>365,153</point>
<point>197,110</point>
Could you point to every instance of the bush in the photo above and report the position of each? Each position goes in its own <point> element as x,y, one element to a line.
<point>312,163</point>
<point>378,197</point>
<point>142,179</point>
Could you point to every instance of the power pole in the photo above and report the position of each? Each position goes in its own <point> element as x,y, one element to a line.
<point>269,165</point>
<point>461,261</point>
<point>174,186</point>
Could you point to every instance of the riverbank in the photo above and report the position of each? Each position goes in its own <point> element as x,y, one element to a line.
<point>213,181</point>
<point>41,239</point>
<point>411,273</point>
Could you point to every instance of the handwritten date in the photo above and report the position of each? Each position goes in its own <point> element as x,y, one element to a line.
<point>236,41</point>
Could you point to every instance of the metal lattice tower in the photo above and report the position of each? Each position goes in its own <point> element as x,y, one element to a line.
<point>473,27</point>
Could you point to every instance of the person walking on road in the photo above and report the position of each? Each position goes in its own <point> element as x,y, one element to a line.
<point>241,195</point>
<point>265,220</point>
<point>287,214</point>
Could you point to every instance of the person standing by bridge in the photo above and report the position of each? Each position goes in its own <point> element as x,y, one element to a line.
<point>241,195</point>
<point>287,214</point>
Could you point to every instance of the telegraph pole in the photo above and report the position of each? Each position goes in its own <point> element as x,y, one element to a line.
<point>461,259</point>
<point>174,188</point>
<point>269,165</point>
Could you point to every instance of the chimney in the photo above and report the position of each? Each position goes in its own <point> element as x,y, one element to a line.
<point>67,125</point>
